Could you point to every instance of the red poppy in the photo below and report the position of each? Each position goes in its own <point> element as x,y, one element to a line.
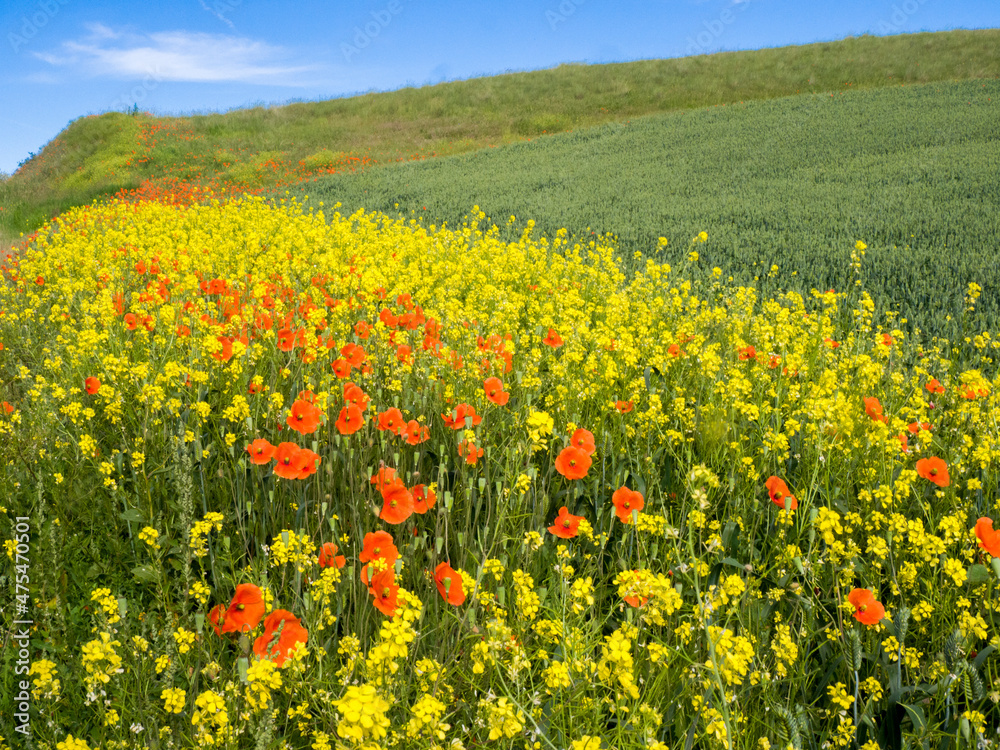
<point>468,450</point>
<point>915,427</point>
<point>183,331</point>
<point>260,451</point>
<point>674,350</point>
<point>624,406</point>
<point>341,368</point>
<point>874,409</point>
<point>584,440</point>
<point>384,477</point>
<point>626,501</point>
<point>404,354</point>
<point>495,392</point>
<point>304,417</point>
<point>328,556</point>
<point>286,340</point>
<point>225,351</point>
<point>456,419</point>
<point>383,587</point>
<point>7,407</point>
<point>350,420</point>
<point>887,340</point>
<point>989,539</point>
<point>747,352</point>
<point>217,617</point>
<point>388,319</point>
<point>904,442</point>
<point>378,545</point>
<point>245,610</point>
<point>934,470</point>
<point>362,330</point>
<point>354,395</point>
<point>397,504</point>
<point>390,419</point>
<point>867,610</point>
<point>449,584</point>
<point>415,433</point>
<point>310,463</point>
<point>253,389</point>
<point>934,386</point>
<point>290,461</point>
<point>780,495</point>
<point>566,525</point>
<point>282,633</point>
<point>831,343</point>
<point>553,339</point>
<point>131,321</point>
<point>573,463</point>
<point>424,498</point>
<point>92,384</point>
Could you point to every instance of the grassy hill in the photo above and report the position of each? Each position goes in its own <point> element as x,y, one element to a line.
<point>792,183</point>
<point>249,149</point>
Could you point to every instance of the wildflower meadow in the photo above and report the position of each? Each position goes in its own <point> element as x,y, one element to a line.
<point>286,478</point>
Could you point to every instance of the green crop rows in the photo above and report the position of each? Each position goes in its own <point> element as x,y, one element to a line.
<point>913,171</point>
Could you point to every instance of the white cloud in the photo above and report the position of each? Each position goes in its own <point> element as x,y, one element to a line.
<point>177,56</point>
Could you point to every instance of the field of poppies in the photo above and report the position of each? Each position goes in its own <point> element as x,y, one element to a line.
<point>280,478</point>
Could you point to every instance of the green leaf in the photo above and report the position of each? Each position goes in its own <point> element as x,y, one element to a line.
<point>145,573</point>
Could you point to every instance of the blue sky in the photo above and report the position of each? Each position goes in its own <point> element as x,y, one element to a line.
<point>61,59</point>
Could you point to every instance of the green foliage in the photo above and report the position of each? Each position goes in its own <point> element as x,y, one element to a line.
<point>792,183</point>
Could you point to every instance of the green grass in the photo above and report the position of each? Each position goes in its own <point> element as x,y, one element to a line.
<point>793,182</point>
<point>92,157</point>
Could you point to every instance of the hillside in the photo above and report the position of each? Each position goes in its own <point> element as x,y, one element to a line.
<point>249,149</point>
<point>792,183</point>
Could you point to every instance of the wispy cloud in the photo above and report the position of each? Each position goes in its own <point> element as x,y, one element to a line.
<point>178,56</point>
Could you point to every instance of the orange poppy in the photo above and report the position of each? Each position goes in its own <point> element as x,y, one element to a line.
<point>353,354</point>
<point>989,539</point>
<point>624,406</point>
<point>131,321</point>
<point>867,610</point>
<point>290,461</point>
<point>362,330</point>
<point>385,477</point>
<point>873,408</point>
<point>383,587</point>
<point>887,340</point>
<point>626,501</point>
<point>424,498</point>
<point>566,525</point>
<point>915,427</point>
<point>495,392</point>
<point>415,433</point>
<point>456,419</point>
<point>310,463</point>
<point>282,633</point>
<point>934,386</point>
<point>779,493</point>
<point>934,470</point>
<point>260,451</point>
<point>378,545</point>
<point>304,417</point>
<point>831,343</point>
<point>286,340</point>
<point>328,556</point>
<point>354,395</point>
<point>341,368</point>
<point>350,420</point>
<point>397,504</point>
<point>904,442</point>
<point>747,352</point>
<point>390,419</point>
<point>449,584</point>
<point>217,616</point>
<point>404,354</point>
<point>92,384</point>
<point>468,450</point>
<point>584,440</point>
<point>245,610</point>
<point>573,463</point>
<point>553,339</point>
<point>7,407</point>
